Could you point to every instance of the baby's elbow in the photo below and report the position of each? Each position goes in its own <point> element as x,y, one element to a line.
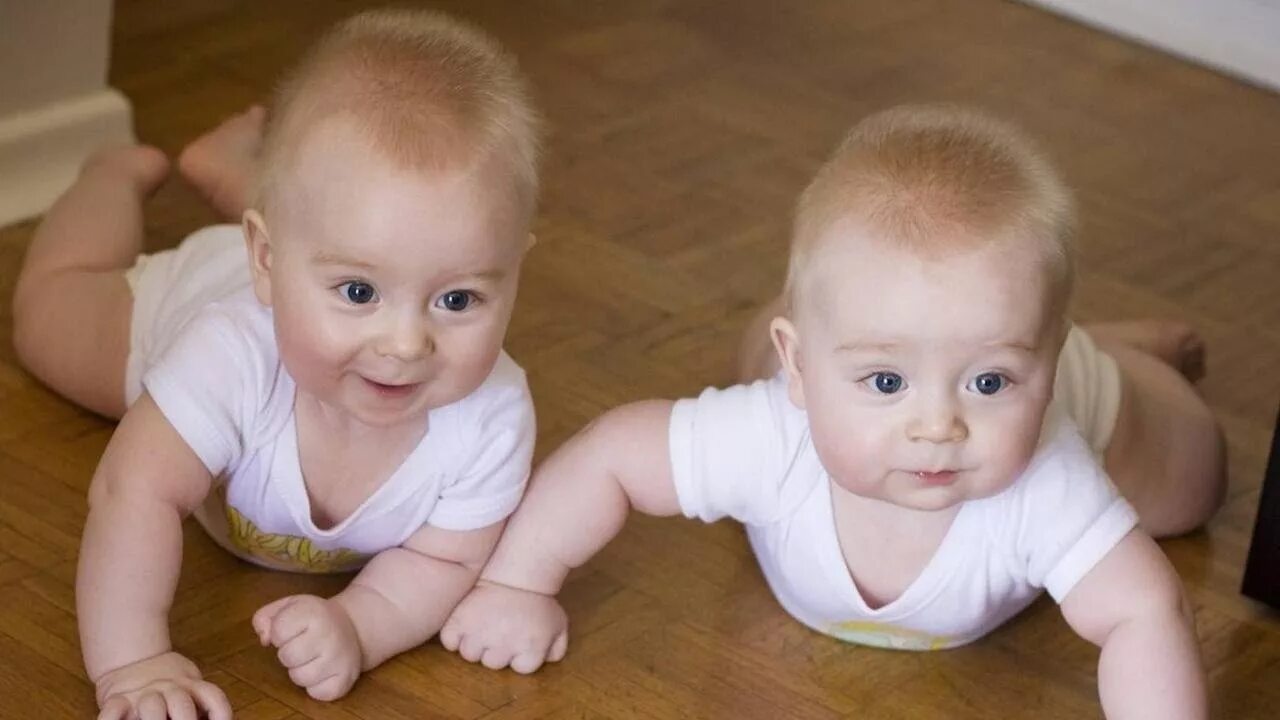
<point>103,489</point>
<point>1164,603</point>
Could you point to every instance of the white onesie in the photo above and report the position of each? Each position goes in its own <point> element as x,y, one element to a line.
<point>218,379</point>
<point>745,452</point>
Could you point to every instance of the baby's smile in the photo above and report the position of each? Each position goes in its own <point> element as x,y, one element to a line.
<point>392,390</point>
<point>937,478</point>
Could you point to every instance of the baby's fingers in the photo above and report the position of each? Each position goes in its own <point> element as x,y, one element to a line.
<point>530,660</point>
<point>212,700</point>
<point>450,636</point>
<point>527,662</point>
<point>115,708</point>
<point>299,651</point>
<point>559,647</point>
<point>263,620</point>
<point>292,622</point>
<point>331,688</point>
<point>151,706</point>
<point>471,648</point>
<point>495,658</point>
<point>179,704</point>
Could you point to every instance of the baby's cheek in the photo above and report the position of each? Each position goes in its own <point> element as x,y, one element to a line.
<point>471,359</point>
<point>848,457</point>
<point>307,347</point>
<point>1016,447</point>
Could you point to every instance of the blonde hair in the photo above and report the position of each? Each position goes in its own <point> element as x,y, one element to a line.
<point>936,180</point>
<point>429,92</point>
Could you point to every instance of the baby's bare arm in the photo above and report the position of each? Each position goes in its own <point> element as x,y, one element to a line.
<point>578,501</point>
<point>579,497</point>
<point>1133,607</point>
<point>405,594</point>
<point>397,602</point>
<point>131,555</point>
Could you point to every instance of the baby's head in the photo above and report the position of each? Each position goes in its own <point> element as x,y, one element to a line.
<point>397,186</point>
<point>931,268</point>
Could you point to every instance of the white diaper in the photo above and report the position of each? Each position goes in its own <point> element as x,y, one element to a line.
<point>1087,388</point>
<point>171,286</point>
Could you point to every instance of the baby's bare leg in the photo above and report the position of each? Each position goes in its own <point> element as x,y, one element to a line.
<point>1166,453</point>
<point>222,163</point>
<point>71,304</point>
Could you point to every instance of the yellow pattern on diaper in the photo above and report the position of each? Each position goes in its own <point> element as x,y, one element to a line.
<point>287,552</point>
<point>888,636</point>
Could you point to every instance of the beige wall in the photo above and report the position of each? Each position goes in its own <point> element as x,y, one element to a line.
<point>1240,37</point>
<point>51,50</point>
<point>55,106</point>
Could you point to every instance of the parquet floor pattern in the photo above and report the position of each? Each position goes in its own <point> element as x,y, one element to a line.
<point>681,132</point>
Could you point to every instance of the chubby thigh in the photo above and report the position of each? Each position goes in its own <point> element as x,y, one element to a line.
<point>1165,453</point>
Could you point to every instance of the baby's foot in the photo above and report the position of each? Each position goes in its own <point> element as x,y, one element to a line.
<point>145,166</point>
<point>221,164</point>
<point>1176,343</point>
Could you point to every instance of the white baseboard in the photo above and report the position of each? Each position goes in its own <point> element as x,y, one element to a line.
<point>41,150</point>
<point>1240,37</point>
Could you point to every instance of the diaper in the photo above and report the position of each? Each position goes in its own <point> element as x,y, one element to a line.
<point>170,287</point>
<point>1087,388</point>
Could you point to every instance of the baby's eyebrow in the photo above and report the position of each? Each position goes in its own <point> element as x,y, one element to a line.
<point>324,257</point>
<point>487,275</point>
<point>1018,346</point>
<point>885,346</point>
<point>867,346</point>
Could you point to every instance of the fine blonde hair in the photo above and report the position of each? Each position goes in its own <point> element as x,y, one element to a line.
<point>429,92</point>
<point>936,180</point>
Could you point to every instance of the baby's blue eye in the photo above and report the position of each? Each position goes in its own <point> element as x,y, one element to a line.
<point>989,383</point>
<point>455,300</point>
<point>888,383</point>
<point>358,293</point>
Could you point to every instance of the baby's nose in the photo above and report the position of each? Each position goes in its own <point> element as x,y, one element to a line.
<point>408,339</point>
<point>939,423</point>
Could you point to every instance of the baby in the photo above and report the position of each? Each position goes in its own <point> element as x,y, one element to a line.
<point>336,397</point>
<point>914,476</point>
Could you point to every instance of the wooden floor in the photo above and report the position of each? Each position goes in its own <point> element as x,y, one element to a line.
<point>682,131</point>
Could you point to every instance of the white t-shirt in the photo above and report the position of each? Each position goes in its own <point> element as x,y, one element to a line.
<point>221,384</point>
<point>745,452</point>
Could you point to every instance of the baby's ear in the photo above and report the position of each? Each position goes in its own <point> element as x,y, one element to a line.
<point>787,342</point>
<point>258,243</point>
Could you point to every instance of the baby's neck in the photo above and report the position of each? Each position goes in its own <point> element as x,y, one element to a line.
<point>344,461</point>
<point>886,546</point>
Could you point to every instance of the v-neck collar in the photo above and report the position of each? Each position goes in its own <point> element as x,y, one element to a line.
<point>920,591</point>
<point>286,478</point>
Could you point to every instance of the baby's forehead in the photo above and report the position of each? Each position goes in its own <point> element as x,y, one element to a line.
<point>853,246</point>
<point>332,158</point>
<point>872,273</point>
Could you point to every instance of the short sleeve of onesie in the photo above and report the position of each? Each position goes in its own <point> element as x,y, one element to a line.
<point>205,384</point>
<point>498,426</point>
<point>1070,515</point>
<point>730,451</point>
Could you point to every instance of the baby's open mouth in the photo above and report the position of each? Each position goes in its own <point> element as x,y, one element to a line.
<point>392,389</point>
<point>941,477</point>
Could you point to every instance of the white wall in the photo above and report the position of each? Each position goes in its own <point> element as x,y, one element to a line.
<point>55,106</point>
<point>1240,37</point>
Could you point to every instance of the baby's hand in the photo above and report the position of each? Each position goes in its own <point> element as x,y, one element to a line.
<point>166,685</point>
<point>498,626</point>
<point>317,643</point>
